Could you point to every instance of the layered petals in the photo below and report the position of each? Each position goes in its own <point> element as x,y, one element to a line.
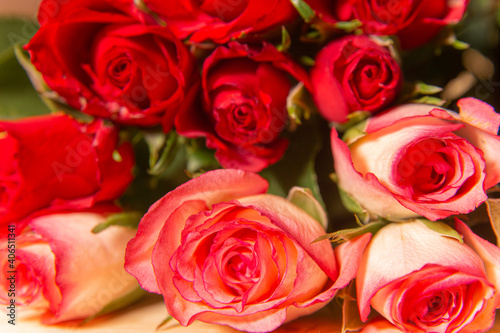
<point>103,60</point>
<point>431,161</point>
<point>354,73</point>
<point>220,21</point>
<point>66,270</point>
<point>241,259</point>
<point>424,281</point>
<point>242,111</point>
<point>39,174</point>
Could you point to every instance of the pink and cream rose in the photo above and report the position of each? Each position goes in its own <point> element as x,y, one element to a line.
<point>63,269</point>
<point>417,159</point>
<point>423,281</point>
<point>221,250</point>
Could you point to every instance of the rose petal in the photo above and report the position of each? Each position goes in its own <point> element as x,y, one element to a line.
<point>405,248</point>
<point>209,188</point>
<point>89,267</point>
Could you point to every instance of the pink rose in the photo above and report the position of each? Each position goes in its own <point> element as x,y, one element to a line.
<point>222,251</point>
<point>354,73</point>
<point>56,161</point>
<point>64,269</point>
<point>418,159</point>
<point>423,281</point>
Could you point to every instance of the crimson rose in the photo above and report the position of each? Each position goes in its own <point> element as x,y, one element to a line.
<point>415,22</point>
<point>243,105</point>
<point>354,73</point>
<point>100,58</point>
<point>222,20</point>
<point>55,161</point>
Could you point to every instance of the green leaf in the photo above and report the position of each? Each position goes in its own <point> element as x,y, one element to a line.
<point>459,45</point>
<point>162,150</point>
<point>493,209</point>
<point>304,199</point>
<point>296,168</point>
<point>426,89</point>
<point>350,203</point>
<point>286,41</point>
<point>299,104</point>
<point>18,99</point>
<point>200,158</point>
<point>348,26</point>
<point>164,322</point>
<point>443,229</point>
<point>119,303</point>
<point>430,100</point>
<point>126,219</point>
<point>305,11</point>
<point>351,320</point>
<point>355,125</point>
<point>348,234</point>
<point>307,61</point>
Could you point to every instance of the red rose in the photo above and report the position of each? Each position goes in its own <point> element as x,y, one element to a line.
<point>58,162</point>
<point>222,20</point>
<point>100,58</point>
<point>354,73</point>
<point>414,21</point>
<point>243,105</point>
<point>430,18</point>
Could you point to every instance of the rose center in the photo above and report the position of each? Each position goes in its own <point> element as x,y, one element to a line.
<point>424,168</point>
<point>120,71</point>
<point>28,284</point>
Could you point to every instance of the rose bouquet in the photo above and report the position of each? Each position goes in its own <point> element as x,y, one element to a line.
<point>253,163</point>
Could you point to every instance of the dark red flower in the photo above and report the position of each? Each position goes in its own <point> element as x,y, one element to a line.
<point>415,22</point>
<point>55,161</point>
<point>101,59</point>
<point>222,20</point>
<point>354,73</point>
<point>243,107</point>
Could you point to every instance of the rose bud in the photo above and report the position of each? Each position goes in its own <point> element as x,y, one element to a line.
<point>222,21</point>
<point>424,281</point>
<point>417,159</point>
<point>99,57</point>
<point>55,161</point>
<point>354,73</point>
<point>222,251</point>
<point>243,107</point>
<point>63,270</point>
<point>415,22</point>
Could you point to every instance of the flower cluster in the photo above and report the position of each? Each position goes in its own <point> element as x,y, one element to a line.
<point>96,209</point>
